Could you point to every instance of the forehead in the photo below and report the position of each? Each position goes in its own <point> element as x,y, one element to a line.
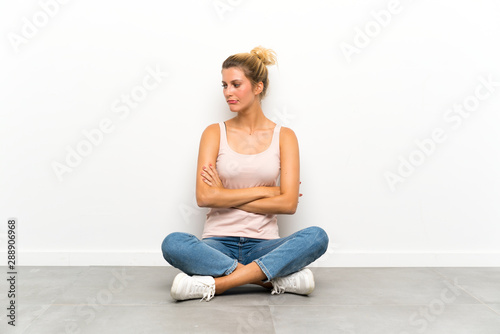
<point>232,73</point>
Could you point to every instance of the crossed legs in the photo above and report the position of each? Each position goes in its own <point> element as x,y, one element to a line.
<point>215,258</point>
<point>243,274</point>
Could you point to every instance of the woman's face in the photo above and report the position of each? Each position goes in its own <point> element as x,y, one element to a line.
<point>238,89</point>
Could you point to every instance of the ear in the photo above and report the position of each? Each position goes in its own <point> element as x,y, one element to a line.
<point>258,88</point>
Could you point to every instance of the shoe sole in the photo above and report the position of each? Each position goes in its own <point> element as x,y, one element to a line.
<point>175,285</point>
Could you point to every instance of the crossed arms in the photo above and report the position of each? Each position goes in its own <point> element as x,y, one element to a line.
<point>265,200</point>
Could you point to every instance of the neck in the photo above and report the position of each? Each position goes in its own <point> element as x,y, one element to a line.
<point>251,119</point>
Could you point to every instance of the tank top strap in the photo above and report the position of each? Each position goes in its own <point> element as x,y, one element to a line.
<point>223,135</point>
<point>276,138</point>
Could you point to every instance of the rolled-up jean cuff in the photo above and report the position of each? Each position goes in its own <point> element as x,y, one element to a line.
<point>233,267</point>
<point>264,270</point>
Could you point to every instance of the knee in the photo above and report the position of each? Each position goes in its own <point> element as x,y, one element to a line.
<point>172,243</point>
<point>320,238</point>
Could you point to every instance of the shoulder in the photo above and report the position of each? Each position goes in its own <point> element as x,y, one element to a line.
<point>287,135</point>
<point>212,130</point>
<point>288,141</point>
<point>211,135</point>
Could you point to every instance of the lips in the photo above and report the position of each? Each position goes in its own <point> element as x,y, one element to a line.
<point>232,101</point>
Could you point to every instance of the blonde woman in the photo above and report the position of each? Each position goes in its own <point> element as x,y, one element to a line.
<point>239,163</point>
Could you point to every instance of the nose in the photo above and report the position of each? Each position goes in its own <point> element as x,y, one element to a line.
<point>228,91</point>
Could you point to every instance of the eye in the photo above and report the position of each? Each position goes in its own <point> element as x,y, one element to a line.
<point>237,85</point>
<point>224,86</point>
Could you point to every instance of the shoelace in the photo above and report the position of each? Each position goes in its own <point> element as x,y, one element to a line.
<point>208,293</point>
<point>280,283</point>
<point>277,289</point>
<point>207,290</point>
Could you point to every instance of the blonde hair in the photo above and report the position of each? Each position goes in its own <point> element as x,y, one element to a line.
<point>254,65</point>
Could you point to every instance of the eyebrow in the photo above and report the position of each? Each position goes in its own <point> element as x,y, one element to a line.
<point>232,81</point>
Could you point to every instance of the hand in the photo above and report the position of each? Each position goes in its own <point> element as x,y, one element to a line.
<point>211,177</point>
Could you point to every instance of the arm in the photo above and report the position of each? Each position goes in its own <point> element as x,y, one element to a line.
<point>216,196</point>
<point>286,202</point>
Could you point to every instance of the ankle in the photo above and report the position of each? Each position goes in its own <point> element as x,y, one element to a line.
<point>220,286</point>
<point>267,285</point>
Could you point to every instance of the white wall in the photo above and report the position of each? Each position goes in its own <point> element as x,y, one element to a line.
<point>357,104</point>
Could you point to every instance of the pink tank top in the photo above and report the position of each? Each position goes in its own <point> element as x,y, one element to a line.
<point>237,171</point>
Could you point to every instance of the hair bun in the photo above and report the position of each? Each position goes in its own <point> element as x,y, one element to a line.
<point>267,56</point>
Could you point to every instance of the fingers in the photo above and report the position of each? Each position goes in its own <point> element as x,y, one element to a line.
<point>210,171</point>
<point>210,176</point>
<point>206,176</point>
<point>215,175</point>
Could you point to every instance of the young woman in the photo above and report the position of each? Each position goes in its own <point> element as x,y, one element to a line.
<point>239,163</point>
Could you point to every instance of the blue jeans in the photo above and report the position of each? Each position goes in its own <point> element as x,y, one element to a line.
<point>219,256</point>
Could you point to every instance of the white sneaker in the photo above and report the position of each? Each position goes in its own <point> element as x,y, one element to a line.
<point>301,282</point>
<point>193,287</point>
